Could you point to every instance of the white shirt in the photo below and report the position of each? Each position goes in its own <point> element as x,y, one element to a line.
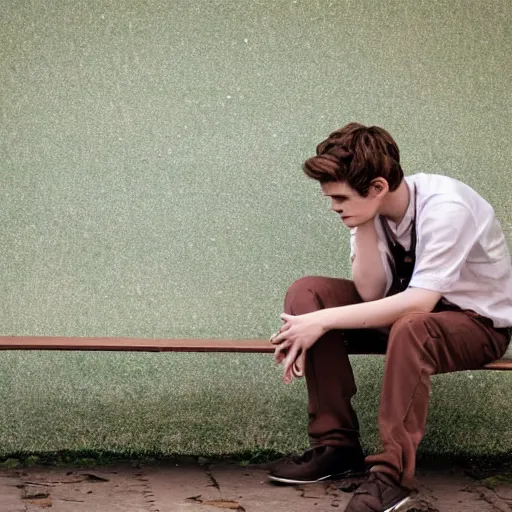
<point>461,249</point>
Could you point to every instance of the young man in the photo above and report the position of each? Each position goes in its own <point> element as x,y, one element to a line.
<point>432,289</point>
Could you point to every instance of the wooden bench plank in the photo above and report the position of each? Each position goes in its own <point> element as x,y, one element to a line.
<point>502,364</point>
<point>157,345</point>
<point>134,344</point>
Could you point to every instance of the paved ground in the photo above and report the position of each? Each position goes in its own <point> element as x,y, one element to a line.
<point>209,487</point>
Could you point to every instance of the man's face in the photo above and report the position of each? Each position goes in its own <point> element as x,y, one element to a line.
<point>352,208</point>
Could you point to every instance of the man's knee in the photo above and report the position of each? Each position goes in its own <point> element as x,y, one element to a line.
<point>303,285</point>
<point>311,293</point>
<point>301,295</point>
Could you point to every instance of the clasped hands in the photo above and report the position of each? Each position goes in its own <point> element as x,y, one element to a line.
<point>295,337</point>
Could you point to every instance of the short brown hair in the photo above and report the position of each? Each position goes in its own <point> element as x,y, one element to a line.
<point>356,154</point>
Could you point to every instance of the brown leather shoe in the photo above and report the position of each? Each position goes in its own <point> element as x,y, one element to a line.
<point>319,463</point>
<point>380,493</point>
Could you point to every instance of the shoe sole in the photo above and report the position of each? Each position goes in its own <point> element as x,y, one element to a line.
<point>336,476</point>
<point>398,506</point>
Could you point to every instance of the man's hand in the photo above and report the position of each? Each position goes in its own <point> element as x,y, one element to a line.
<point>300,332</point>
<point>296,336</point>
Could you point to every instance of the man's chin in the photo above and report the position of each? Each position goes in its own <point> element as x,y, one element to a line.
<point>354,222</point>
<point>350,222</point>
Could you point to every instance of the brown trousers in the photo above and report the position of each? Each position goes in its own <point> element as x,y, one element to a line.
<point>418,346</point>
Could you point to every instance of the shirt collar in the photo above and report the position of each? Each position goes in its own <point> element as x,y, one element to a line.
<point>406,223</point>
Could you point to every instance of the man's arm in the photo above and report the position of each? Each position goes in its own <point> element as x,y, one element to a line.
<point>442,250</point>
<point>368,271</point>
<point>378,313</point>
<point>300,332</point>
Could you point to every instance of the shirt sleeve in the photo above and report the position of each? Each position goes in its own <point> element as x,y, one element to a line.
<point>446,232</point>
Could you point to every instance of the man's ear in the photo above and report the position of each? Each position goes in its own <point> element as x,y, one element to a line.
<point>379,187</point>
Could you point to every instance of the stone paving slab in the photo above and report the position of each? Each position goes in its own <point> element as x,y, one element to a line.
<point>220,487</point>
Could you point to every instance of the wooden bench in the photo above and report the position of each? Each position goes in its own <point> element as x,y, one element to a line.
<point>157,345</point>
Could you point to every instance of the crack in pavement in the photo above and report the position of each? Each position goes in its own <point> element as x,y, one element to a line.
<point>490,497</point>
<point>226,504</point>
<point>147,492</point>
<point>221,503</point>
<point>213,479</point>
<point>39,493</point>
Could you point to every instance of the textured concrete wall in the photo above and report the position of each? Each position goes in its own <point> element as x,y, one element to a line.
<point>150,151</point>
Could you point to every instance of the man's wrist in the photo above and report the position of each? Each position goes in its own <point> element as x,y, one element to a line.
<point>326,318</point>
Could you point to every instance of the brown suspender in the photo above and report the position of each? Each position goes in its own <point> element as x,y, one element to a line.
<point>402,261</point>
